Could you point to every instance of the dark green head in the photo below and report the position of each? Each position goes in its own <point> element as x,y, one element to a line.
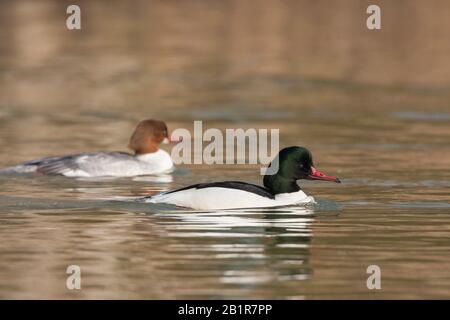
<point>294,163</point>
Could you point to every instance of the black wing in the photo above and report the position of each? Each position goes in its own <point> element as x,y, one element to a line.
<point>253,188</point>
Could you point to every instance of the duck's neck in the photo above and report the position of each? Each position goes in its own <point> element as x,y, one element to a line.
<point>146,150</point>
<point>278,184</point>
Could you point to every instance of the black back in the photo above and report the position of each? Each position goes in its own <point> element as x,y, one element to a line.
<point>253,188</point>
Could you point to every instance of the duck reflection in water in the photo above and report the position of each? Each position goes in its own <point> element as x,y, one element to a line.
<point>248,247</point>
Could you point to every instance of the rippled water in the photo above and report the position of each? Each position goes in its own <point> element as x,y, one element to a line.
<point>385,135</point>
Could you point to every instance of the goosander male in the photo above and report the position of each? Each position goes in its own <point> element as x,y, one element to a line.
<point>147,158</point>
<point>280,189</point>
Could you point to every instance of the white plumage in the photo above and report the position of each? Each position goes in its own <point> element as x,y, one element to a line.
<point>100,164</point>
<point>223,198</point>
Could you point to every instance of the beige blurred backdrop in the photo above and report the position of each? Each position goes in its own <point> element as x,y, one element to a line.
<point>135,54</point>
<point>273,64</point>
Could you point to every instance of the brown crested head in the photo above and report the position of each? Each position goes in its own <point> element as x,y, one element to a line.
<point>147,136</point>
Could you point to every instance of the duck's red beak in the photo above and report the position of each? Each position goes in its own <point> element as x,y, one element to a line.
<point>171,139</point>
<point>175,139</point>
<point>317,175</point>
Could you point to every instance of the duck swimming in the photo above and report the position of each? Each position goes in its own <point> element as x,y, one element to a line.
<point>280,189</point>
<point>147,158</point>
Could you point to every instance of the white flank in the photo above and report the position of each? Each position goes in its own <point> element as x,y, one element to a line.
<point>223,198</point>
<point>104,164</point>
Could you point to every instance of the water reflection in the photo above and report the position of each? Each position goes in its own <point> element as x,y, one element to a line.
<point>250,247</point>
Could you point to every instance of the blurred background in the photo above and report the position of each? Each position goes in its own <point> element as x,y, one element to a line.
<point>286,62</point>
<point>372,105</point>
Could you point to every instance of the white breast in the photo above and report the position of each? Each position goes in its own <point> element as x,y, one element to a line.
<point>223,198</point>
<point>156,162</point>
<point>117,166</point>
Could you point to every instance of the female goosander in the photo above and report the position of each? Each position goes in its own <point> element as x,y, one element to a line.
<point>280,189</point>
<point>147,158</point>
